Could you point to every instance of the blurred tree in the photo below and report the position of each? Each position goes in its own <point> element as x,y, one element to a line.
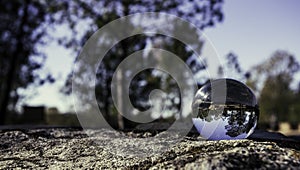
<point>96,14</point>
<point>233,68</point>
<point>281,62</point>
<point>276,95</point>
<point>294,109</point>
<point>22,28</point>
<point>270,81</point>
<point>233,63</point>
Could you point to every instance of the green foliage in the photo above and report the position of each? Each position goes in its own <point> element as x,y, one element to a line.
<point>276,96</point>
<point>294,109</point>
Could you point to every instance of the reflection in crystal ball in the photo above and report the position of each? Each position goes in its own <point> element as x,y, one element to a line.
<point>225,109</point>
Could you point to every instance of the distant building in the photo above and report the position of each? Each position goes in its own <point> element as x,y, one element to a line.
<point>52,110</point>
<point>33,115</point>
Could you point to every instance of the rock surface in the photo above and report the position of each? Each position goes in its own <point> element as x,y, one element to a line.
<point>71,148</point>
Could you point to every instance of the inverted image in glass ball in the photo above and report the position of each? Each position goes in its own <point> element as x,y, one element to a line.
<point>225,109</point>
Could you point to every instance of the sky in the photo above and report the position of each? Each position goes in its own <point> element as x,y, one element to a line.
<point>252,29</point>
<point>255,29</point>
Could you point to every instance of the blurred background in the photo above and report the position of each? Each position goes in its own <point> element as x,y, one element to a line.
<point>257,42</point>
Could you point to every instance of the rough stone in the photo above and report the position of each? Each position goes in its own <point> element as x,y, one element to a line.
<point>71,148</point>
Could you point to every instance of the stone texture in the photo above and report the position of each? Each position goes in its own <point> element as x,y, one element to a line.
<point>71,148</point>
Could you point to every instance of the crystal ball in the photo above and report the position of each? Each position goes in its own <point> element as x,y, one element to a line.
<point>225,109</point>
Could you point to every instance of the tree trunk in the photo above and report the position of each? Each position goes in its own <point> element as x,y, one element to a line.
<point>13,66</point>
<point>120,101</point>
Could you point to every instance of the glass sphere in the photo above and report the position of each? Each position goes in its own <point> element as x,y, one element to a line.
<point>225,109</point>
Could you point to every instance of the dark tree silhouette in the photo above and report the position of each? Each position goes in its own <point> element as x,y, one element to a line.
<point>277,74</point>
<point>201,13</point>
<point>21,29</point>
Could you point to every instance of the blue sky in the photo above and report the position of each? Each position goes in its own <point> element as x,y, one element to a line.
<point>252,29</point>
